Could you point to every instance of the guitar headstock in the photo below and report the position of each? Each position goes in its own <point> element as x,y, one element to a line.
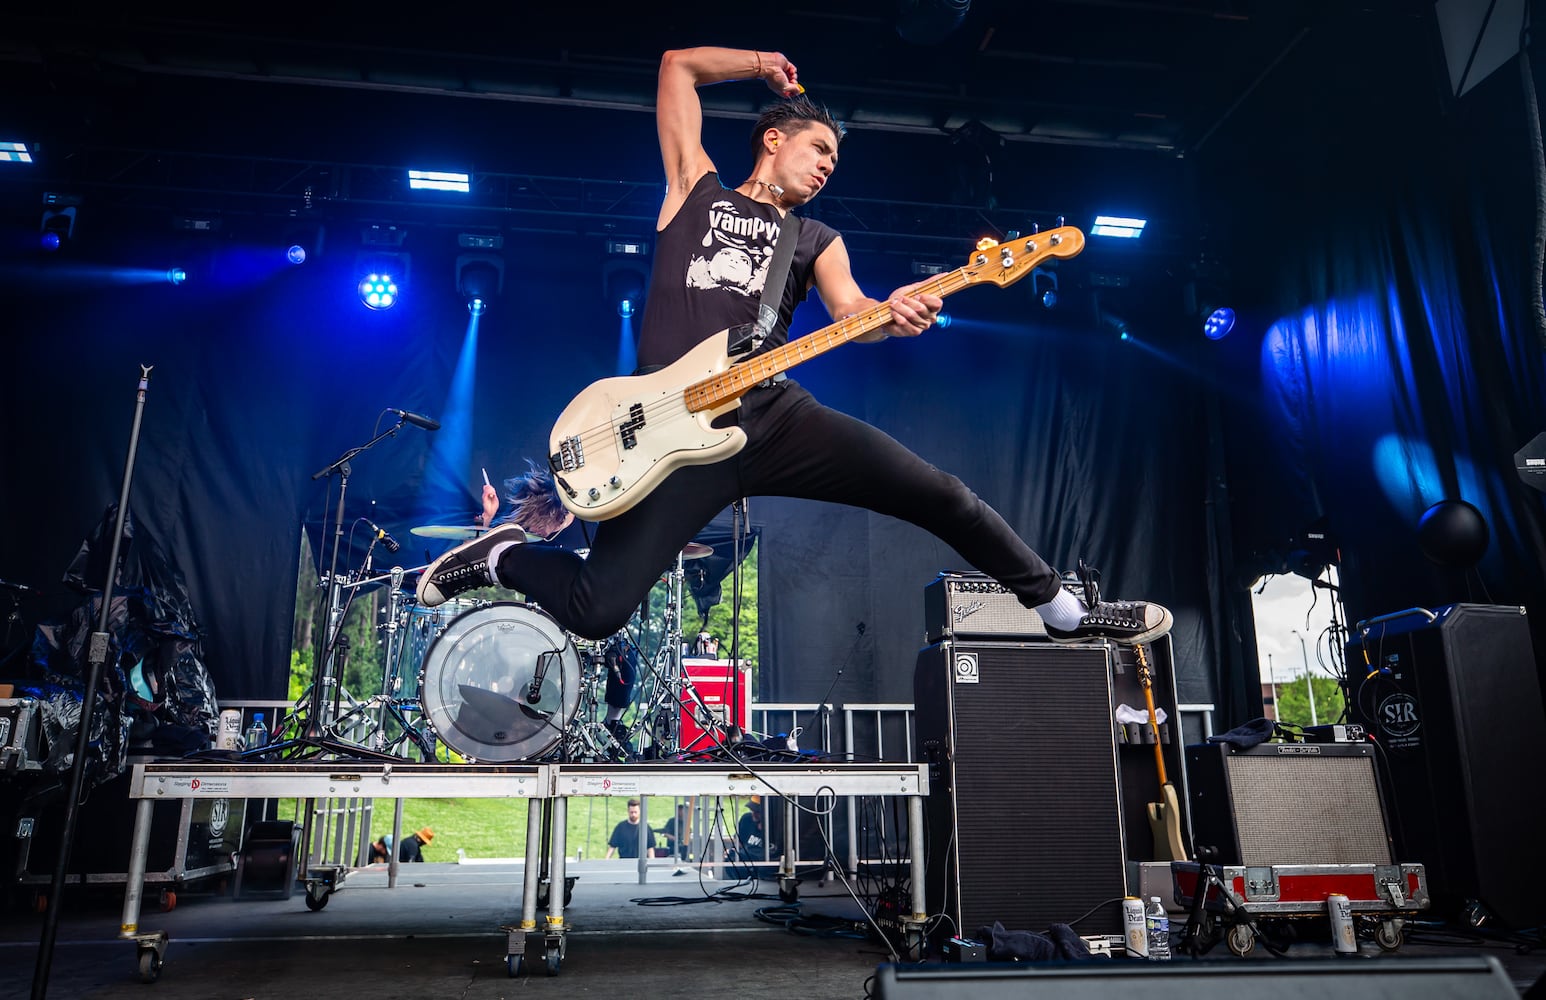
<point>1007,263</point>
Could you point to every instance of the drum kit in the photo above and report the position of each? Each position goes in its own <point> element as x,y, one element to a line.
<point>502,682</point>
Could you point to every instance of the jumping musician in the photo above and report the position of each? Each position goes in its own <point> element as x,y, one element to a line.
<point>713,248</point>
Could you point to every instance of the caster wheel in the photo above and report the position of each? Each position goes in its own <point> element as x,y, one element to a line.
<point>542,896</point>
<point>790,894</point>
<point>554,960</point>
<point>149,965</point>
<point>1241,939</point>
<point>168,901</point>
<point>513,965</point>
<point>1389,936</point>
<point>315,903</point>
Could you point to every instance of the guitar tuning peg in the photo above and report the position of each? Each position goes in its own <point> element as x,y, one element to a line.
<point>1035,228</point>
<point>1060,222</point>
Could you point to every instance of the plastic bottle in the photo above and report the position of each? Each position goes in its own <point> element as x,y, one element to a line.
<point>257,733</point>
<point>1157,924</point>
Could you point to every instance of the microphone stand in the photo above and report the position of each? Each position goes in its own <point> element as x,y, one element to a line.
<point>97,652</point>
<point>315,736</point>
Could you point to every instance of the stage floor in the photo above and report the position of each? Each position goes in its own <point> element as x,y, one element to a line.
<point>437,934</point>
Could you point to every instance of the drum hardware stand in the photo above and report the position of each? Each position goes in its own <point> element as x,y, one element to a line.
<point>314,738</point>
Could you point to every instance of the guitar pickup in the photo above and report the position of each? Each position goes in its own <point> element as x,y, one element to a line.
<point>570,455</point>
<point>626,430</point>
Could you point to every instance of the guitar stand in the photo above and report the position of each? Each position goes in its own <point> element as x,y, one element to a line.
<point>1236,927</point>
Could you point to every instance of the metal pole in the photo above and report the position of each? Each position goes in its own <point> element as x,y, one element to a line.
<point>96,657</point>
<point>1308,687</point>
<point>1272,679</point>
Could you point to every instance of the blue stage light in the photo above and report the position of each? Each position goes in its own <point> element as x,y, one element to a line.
<point>1124,335</point>
<point>1219,323</point>
<point>176,275</point>
<point>296,254</point>
<point>943,321</point>
<point>1049,298</point>
<point>477,306</point>
<point>625,308</point>
<point>378,291</point>
<point>51,241</point>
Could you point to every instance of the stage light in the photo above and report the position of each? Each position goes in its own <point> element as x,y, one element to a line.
<point>625,308</point>
<point>1044,283</point>
<point>479,277</point>
<point>1218,324</point>
<point>1118,226</point>
<point>378,291</point>
<point>51,241</point>
<point>438,180</point>
<point>1124,336</point>
<point>176,276</point>
<point>943,321</point>
<point>57,227</point>
<point>296,254</point>
<point>15,152</point>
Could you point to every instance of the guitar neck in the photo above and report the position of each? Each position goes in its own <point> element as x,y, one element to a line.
<point>716,390</point>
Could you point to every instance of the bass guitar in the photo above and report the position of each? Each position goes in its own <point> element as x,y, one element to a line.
<point>621,437</point>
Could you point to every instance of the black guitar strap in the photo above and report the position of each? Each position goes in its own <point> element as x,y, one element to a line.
<point>773,287</point>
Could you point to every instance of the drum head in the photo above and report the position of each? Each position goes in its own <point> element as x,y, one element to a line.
<point>501,683</point>
<point>418,628</point>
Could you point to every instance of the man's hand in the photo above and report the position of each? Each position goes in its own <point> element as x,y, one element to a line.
<point>780,74</point>
<point>912,314</point>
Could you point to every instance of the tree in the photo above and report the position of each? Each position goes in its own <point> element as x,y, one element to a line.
<point>1294,701</point>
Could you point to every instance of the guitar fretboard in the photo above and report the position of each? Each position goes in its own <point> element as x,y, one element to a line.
<point>716,390</point>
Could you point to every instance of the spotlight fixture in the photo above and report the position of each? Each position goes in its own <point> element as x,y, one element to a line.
<point>943,321</point>
<point>1118,226</point>
<point>57,227</point>
<point>296,254</point>
<point>625,308</point>
<point>378,290</point>
<point>176,276</point>
<point>479,277</point>
<point>1044,283</point>
<point>1218,324</point>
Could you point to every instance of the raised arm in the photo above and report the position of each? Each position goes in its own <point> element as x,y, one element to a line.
<point>679,113</point>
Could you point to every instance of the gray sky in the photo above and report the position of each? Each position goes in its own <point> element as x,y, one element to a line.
<point>1288,603</point>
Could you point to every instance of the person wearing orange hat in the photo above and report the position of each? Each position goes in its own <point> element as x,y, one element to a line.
<point>411,848</point>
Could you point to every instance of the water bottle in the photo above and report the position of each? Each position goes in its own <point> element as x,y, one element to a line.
<point>257,733</point>
<point>1157,924</point>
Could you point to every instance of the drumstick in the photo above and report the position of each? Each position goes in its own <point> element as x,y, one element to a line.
<point>485,478</point>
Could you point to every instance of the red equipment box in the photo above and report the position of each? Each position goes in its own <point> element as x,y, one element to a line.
<point>1380,895</point>
<point>713,682</point>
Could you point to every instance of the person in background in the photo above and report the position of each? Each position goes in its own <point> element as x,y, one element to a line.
<point>413,844</point>
<point>678,831</point>
<point>624,842</point>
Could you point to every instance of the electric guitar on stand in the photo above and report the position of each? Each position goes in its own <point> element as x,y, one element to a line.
<point>1164,815</point>
<point>620,437</point>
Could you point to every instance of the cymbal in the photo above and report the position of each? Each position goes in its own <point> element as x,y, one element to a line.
<point>697,550</point>
<point>448,530</point>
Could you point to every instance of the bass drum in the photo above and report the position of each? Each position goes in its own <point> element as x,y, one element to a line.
<point>501,683</point>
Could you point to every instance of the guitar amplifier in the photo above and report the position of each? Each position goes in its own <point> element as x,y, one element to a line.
<point>975,606</point>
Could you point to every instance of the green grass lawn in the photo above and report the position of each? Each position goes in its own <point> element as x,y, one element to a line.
<point>496,828</point>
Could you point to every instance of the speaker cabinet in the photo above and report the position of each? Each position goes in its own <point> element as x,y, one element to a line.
<point>1024,810</point>
<point>1475,977</point>
<point>1288,804</point>
<point>1455,701</point>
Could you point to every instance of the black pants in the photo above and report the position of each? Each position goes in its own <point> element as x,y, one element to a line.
<point>795,448</point>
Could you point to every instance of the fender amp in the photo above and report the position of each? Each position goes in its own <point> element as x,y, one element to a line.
<point>974,605</point>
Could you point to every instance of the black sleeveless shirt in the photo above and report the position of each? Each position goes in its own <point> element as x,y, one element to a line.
<point>710,264</point>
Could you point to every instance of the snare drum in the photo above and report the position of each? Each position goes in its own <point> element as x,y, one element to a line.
<point>501,683</point>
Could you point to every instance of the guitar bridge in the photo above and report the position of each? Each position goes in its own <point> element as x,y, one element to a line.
<point>626,430</point>
<point>570,455</point>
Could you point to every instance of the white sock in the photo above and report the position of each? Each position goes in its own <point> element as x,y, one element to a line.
<point>614,713</point>
<point>493,557</point>
<point>1064,611</point>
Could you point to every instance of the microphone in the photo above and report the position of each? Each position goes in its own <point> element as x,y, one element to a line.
<point>417,420</point>
<point>392,545</point>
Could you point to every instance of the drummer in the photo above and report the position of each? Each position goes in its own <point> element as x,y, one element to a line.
<point>535,506</point>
